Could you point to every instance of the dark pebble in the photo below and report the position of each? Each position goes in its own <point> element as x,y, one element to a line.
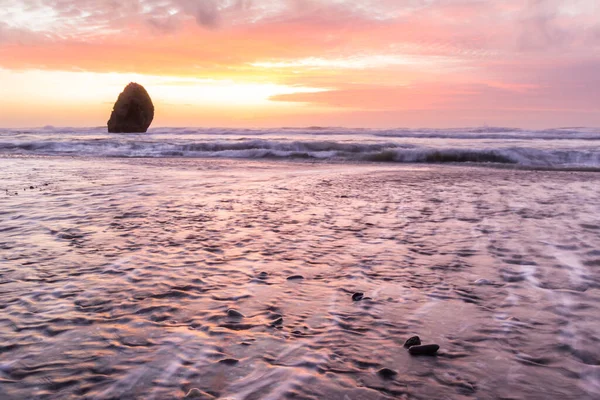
<point>263,275</point>
<point>387,373</point>
<point>295,277</point>
<point>198,394</point>
<point>234,313</point>
<point>424,350</point>
<point>413,341</point>
<point>278,321</point>
<point>357,296</point>
<point>31,187</point>
<point>229,361</point>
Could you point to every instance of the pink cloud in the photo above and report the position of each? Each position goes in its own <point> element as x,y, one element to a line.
<point>462,28</point>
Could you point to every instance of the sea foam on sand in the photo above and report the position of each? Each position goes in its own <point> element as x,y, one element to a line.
<point>118,277</point>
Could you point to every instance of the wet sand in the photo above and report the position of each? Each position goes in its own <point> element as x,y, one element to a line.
<point>116,277</point>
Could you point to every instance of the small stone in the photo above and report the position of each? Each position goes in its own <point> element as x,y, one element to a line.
<point>229,361</point>
<point>482,282</point>
<point>358,296</point>
<point>413,341</point>
<point>31,187</point>
<point>278,321</point>
<point>263,275</point>
<point>424,350</point>
<point>196,393</point>
<point>295,277</point>
<point>387,373</point>
<point>234,313</point>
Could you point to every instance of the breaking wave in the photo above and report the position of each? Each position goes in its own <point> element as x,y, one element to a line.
<point>558,148</point>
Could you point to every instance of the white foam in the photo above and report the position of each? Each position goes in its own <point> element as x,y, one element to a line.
<point>573,147</point>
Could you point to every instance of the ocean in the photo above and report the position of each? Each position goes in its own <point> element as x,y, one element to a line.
<point>553,148</point>
<point>295,263</point>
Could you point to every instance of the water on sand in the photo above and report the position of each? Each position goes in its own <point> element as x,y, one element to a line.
<point>116,277</point>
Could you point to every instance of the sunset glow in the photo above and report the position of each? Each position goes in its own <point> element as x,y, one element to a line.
<point>377,63</point>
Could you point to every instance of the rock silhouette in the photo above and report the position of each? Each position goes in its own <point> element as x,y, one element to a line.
<point>133,112</point>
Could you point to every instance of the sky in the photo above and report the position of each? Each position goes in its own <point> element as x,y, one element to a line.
<point>269,63</point>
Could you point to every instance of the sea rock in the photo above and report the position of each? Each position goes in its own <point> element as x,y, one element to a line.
<point>357,296</point>
<point>413,341</point>
<point>133,112</point>
<point>295,278</point>
<point>424,350</point>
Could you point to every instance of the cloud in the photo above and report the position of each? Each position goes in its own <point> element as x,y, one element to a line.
<point>484,25</point>
<point>570,87</point>
<point>540,27</point>
<point>370,54</point>
<point>14,35</point>
<point>207,14</point>
<point>164,24</point>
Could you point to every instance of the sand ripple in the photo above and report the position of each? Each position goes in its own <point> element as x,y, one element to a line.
<point>147,278</point>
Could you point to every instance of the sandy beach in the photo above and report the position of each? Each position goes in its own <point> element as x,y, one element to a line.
<point>146,278</point>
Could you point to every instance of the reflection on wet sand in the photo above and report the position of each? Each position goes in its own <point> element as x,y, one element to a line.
<point>151,278</point>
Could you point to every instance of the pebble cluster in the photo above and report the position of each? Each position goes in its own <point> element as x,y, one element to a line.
<point>9,192</point>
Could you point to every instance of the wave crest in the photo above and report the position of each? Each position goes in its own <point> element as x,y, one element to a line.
<point>315,149</point>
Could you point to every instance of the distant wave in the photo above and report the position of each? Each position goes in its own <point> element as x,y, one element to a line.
<point>299,149</point>
<point>568,133</point>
